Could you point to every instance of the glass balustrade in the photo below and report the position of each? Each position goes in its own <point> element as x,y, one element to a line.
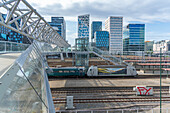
<point>6,46</point>
<point>24,87</point>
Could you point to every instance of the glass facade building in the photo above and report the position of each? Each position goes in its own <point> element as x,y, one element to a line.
<point>114,25</point>
<point>125,44</point>
<point>81,44</point>
<point>102,40</point>
<point>95,26</point>
<point>15,37</point>
<point>83,26</point>
<point>59,25</point>
<point>81,59</point>
<point>135,37</point>
<point>169,46</point>
<point>149,45</point>
<point>9,35</point>
<point>3,31</point>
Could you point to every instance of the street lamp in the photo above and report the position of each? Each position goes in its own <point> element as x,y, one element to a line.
<point>161,78</point>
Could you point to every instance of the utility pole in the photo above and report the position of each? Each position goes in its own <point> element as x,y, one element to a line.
<point>160,80</point>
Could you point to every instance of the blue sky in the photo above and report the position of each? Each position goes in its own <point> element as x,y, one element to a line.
<point>154,13</point>
<point>158,31</point>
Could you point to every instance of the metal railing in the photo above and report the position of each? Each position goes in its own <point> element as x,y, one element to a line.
<point>106,54</point>
<point>24,86</point>
<point>6,47</point>
<point>135,110</point>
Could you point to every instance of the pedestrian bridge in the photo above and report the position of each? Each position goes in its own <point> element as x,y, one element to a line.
<point>24,84</point>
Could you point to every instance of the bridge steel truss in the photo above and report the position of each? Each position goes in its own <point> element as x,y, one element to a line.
<point>31,24</point>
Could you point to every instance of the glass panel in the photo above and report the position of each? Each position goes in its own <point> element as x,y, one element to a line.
<point>33,66</point>
<point>2,46</point>
<point>14,47</point>
<point>20,97</point>
<point>8,46</point>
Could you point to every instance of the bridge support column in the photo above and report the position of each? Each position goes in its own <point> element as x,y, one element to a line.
<point>61,56</point>
<point>66,54</point>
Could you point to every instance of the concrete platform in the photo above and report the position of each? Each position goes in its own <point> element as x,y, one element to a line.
<point>106,82</point>
<point>6,60</point>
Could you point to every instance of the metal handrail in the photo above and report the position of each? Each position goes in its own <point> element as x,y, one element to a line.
<point>135,110</point>
<point>13,47</point>
<point>102,53</point>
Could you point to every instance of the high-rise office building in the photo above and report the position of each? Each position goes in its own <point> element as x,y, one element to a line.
<point>101,39</point>
<point>60,25</point>
<point>149,46</point>
<point>3,30</point>
<point>3,33</point>
<point>83,26</point>
<point>125,44</point>
<point>95,26</point>
<point>10,35</point>
<point>114,25</point>
<point>135,36</point>
<point>83,30</point>
<point>82,42</point>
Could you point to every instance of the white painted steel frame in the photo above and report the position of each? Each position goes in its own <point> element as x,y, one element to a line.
<point>31,25</point>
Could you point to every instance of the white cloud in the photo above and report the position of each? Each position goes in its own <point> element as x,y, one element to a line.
<point>147,11</point>
<point>71,38</point>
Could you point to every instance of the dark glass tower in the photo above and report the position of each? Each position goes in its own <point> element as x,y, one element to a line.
<point>102,40</point>
<point>95,26</point>
<point>9,35</point>
<point>60,25</point>
<point>135,38</point>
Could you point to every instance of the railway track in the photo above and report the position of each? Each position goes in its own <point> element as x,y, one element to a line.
<point>105,91</point>
<point>115,88</point>
<point>114,100</point>
<point>102,91</point>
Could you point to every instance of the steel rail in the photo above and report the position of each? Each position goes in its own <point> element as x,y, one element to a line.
<point>112,100</point>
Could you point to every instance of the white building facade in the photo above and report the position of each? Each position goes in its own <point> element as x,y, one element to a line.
<point>164,44</point>
<point>114,25</point>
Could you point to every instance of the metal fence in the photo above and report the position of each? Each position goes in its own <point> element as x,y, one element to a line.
<point>6,47</point>
<point>140,110</point>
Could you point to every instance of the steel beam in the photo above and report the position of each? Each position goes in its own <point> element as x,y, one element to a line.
<point>29,26</point>
<point>9,16</point>
<point>19,17</point>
